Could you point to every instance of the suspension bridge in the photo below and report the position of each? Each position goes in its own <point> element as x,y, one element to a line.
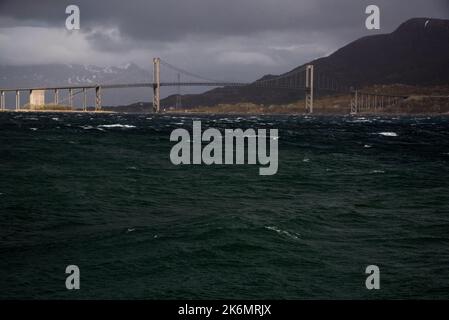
<point>304,78</point>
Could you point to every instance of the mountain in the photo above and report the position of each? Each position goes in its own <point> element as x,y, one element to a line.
<point>416,53</point>
<point>67,74</point>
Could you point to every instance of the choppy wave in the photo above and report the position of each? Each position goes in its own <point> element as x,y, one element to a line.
<point>388,134</point>
<point>362,120</point>
<point>109,200</point>
<point>291,235</point>
<point>116,125</point>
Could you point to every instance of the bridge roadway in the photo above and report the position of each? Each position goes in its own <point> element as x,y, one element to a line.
<point>133,85</point>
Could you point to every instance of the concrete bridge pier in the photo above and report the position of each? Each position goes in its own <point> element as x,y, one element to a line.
<point>355,102</point>
<point>17,100</point>
<point>372,102</point>
<point>31,94</point>
<point>2,100</point>
<point>71,98</point>
<point>84,100</point>
<point>56,96</point>
<point>97,98</point>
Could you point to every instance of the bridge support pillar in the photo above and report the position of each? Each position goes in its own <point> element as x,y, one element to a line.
<point>97,98</point>
<point>17,100</point>
<point>56,96</point>
<point>2,100</point>
<point>156,84</point>
<point>309,88</point>
<point>71,99</point>
<point>30,104</point>
<point>84,100</point>
<point>355,103</point>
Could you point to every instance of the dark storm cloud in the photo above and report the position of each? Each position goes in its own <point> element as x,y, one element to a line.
<point>169,20</point>
<point>226,39</point>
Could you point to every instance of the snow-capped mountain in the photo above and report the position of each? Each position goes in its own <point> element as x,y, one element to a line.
<point>74,74</point>
<point>60,74</point>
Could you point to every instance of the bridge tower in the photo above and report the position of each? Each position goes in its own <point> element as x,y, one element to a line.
<point>309,88</point>
<point>156,84</point>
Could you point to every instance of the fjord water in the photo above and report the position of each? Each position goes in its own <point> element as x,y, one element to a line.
<point>99,191</point>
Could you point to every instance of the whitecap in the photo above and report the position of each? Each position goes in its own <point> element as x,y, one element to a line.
<point>361,120</point>
<point>33,129</point>
<point>117,125</point>
<point>388,134</point>
<point>130,230</point>
<point>294,236</point>
<point>377,171</point>
<point>367,146</point>
<point>306,160</point>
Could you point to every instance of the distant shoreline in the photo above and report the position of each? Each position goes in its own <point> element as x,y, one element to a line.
<point>241,114</point>
<point>54,111</point>
<point>302,114</point>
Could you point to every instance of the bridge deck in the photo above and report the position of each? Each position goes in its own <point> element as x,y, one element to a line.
<point>132,85</point>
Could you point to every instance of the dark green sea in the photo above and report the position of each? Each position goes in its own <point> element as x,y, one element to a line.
<point>350,192</point>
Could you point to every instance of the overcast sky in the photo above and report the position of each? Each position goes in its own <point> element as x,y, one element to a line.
<point>226,39</point>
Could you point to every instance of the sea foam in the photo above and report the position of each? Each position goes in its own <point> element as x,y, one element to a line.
<point>294,236</point>
<point>388,134</point>
<point>117,125</point>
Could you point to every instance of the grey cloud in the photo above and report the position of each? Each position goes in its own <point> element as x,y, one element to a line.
<point>170,20</point>
<point>225,39</point>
